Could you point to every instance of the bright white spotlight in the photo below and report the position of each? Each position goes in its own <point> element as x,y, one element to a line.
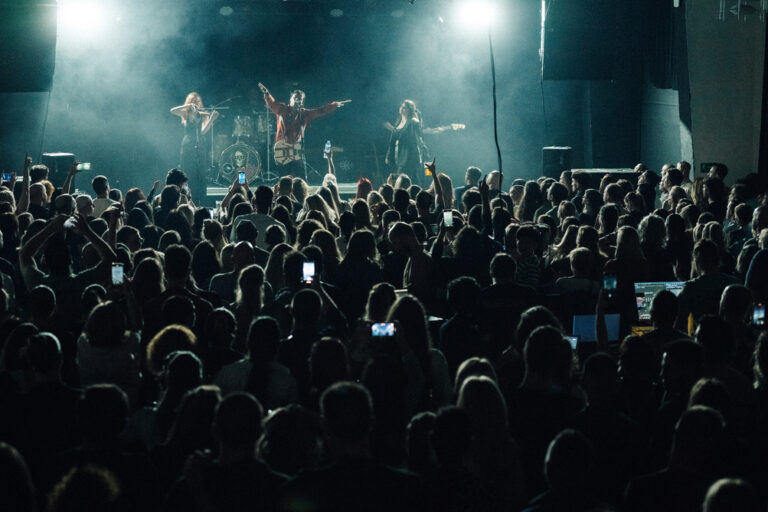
<point>81,17</point>
<point>476,14</point>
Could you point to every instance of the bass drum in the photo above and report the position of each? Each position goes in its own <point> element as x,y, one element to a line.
<point>239,157</point>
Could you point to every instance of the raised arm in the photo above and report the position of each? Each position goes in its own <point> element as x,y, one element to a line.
<point>311,114</point>
<point>67,187</point>
<point>106,253</point>
<point>152,192</point>
<point>486,206</point>
<point>234,188</point>
<point>23,203</point>
<point>331,166</point>
<point>276,107</point>
<point>438,188</point>
<point>114,217</point>
<point>33,245</point>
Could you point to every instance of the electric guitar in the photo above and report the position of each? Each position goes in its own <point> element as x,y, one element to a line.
<point>440,129</point>
<point>285,152</point>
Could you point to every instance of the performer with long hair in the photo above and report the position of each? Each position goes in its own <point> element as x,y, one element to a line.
<point>406,151</point>
<point>197,122</point>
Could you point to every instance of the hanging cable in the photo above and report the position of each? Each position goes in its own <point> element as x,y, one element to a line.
<point>495,112</point>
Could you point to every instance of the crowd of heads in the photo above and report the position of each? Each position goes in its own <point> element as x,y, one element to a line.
<point>417,346</point>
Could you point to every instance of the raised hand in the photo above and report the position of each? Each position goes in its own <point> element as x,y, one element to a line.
<point>483,187</point>
<point>74,169</point>
<point>430,166</point>
<point>263,88</point>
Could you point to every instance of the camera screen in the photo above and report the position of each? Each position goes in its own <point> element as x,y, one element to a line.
<point>758,314</point>
<point>117,273</point>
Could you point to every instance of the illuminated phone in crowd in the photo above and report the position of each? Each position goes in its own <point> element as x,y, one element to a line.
<point>241,178</point>
<point>118,274</point>
<point>448,219</point>
<point>308,272</point>
<point>758,314</point>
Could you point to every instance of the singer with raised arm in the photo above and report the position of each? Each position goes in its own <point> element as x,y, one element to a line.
<point>197,122</point>
<point>292,120</point>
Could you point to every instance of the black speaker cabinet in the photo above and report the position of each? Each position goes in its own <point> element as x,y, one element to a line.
<point>27,45</point>
<point>579,39</point>
<point>554,160</point>
<point>59,165</point>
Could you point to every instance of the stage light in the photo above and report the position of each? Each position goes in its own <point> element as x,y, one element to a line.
<point>337,13</point>
<point>476,14</point>
<point>226,11</point>
<point>80,17</point>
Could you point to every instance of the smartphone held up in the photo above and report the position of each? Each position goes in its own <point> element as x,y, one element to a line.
<point>448,218</point>
<point>118,274</point>
<point>308,272</point>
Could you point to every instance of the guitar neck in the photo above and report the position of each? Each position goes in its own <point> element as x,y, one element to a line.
<point>444,128</point>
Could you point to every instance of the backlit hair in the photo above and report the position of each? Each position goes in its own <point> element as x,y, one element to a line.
<point>410,109</point>
<point>195,99</point>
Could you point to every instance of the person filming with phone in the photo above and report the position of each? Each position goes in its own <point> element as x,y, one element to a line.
<point>67,285</point>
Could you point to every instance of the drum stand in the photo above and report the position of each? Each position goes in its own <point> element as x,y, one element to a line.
<point>268,177</point>
<point>307,167</point>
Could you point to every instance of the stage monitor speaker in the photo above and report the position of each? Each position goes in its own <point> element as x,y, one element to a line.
<point>27,45</point>
<point>554,160</point>
<point>579,39</point>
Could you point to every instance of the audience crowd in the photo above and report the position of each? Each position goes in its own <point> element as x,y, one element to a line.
<point>411,348</point>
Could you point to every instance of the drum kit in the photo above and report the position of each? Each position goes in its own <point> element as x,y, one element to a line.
<point>238,148</point>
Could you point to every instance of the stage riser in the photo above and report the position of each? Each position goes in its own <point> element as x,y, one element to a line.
<point>346,190</point>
